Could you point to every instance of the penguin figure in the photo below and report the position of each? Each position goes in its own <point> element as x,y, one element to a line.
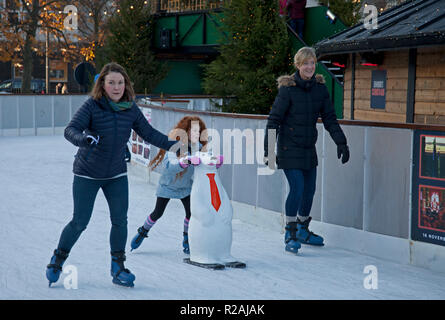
<point>210,227</point>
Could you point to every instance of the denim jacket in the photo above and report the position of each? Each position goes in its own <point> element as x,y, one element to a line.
<point>172,186</point>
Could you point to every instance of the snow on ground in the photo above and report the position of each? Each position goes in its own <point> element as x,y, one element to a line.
<point>36,204</point>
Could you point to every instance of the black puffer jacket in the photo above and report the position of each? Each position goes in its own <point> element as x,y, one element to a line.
<point>107,158</point>
<point>294,115</point>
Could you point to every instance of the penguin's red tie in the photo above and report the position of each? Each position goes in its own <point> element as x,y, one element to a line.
<point>216,200</point>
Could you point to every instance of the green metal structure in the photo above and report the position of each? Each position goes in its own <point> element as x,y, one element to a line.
<point>188,40</point>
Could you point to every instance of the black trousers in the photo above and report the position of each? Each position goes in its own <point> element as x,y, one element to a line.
<point>84,196</point>
<point>161,204</point>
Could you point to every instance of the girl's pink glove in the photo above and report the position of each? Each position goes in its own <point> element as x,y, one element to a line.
<point>194,160</point>
<point>184,162</point>
<point>220,161</point>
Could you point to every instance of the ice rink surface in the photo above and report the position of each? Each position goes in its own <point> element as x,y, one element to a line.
<point>36,204</point>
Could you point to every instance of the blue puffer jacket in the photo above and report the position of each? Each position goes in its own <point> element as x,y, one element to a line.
<point>107,158</point>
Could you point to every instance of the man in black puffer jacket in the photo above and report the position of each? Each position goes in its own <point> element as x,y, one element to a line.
<point>302,98</point>
<point>101,128</point>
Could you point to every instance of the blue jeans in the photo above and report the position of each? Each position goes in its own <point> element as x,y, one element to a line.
<point>84,195</point>
<point>302,190</point>
<point>298,26</point>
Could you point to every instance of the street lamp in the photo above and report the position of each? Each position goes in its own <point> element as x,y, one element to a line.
<point>47,62</point>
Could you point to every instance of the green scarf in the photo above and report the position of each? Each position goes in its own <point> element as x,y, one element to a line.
<point>119,106</point>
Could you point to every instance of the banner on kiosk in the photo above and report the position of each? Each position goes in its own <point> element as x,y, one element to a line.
<point>428,193</point>
<point>140,150</point>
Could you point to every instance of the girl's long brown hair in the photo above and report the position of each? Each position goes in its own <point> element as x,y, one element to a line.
<point>184,124</point>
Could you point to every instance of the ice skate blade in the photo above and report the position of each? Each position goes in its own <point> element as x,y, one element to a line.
<point>290,251</point>
<point>313,244</point>
<point>123,284</point>
<point>236,264</point>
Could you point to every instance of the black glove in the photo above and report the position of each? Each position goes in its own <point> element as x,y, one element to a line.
<point>343,151</point>
<point>127,154</point>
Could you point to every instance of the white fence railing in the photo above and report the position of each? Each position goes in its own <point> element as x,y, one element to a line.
<point>370,194</point>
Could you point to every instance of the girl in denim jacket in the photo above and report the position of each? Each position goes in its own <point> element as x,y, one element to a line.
<point>177,176</point>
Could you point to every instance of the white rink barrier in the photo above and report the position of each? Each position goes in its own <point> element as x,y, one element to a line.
<point>23,115</point>
<point>364,205</point>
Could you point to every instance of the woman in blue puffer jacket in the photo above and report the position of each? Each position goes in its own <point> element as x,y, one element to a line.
<point>101,128</point>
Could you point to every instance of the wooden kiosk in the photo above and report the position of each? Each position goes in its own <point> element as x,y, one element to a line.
<point>395,73</point>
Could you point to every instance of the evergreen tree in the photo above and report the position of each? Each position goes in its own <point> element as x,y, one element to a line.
<point>348,11</point>
<point>256,53</point>
<point>129,43</point>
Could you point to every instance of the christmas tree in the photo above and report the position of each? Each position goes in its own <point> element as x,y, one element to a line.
<point>256,53</point>
<point>348,11</point>
<point>129,43</point>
